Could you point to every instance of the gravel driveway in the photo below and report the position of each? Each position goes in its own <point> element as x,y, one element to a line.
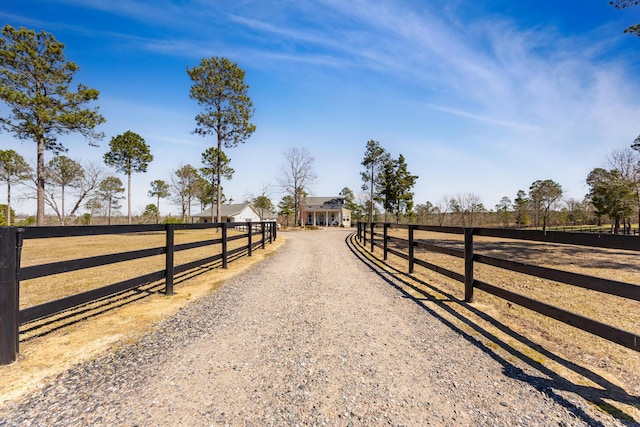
<point>310,336</point>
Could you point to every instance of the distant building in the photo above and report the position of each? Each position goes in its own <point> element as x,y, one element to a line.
<point>325,211</point>
<point>238,212</point>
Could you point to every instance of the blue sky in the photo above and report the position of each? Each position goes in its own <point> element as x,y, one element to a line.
<point>481,97</point>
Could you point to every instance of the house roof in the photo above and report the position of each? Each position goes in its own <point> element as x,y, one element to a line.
<point>327,200</point>
<point>226,210</point>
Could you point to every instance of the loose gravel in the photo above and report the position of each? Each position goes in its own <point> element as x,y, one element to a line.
<point>309,336</point>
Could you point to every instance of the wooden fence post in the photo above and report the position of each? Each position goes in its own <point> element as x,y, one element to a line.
<point>410,229</point>
<point>8,295</point>
<point>249,244</point>
<point>170,240</point>
<point>263,234</point>
<point>373,224</point>
<point>384,240</point>
<point>224,245</point>
<point>274,225</point>
<point>364,234</point>
<point>468,264</point>
<point>19,238</point>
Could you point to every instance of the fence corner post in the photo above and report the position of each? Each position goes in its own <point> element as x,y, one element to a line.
<point>224,245</point>
<point>468,265</point>
<point>170,240</point>
<point>9,309</point>
<point>411,258</point>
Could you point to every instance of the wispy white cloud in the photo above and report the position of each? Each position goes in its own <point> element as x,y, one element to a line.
<point>494,70</point>
<point>480,118</point>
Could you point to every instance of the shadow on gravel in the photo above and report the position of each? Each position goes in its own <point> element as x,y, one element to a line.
<point>549,383</point>
<point>45,326</point>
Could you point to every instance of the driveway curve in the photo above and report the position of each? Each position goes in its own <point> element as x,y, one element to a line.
<point>310,336</point>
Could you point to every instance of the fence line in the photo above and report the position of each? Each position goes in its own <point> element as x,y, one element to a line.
<point>624,290</point>
<point>11,272</point>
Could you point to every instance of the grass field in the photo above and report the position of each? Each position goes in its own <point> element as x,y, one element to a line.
<point>42,251</point>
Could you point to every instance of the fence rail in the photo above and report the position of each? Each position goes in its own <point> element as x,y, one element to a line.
<point>11,271</point>
<point>370,236</point>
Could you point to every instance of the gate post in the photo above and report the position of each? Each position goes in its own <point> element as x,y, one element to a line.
<point>9,308</point>
<point>468,264</point>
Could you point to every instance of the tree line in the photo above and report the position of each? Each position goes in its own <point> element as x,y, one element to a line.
<point>35,85</point>
<point>613,198</point>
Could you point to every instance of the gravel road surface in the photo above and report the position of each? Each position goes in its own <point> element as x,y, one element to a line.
<point>309,336</point>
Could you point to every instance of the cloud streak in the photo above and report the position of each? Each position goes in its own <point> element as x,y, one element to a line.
<point>493,71</point>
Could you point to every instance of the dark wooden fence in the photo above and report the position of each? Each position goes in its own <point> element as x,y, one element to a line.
<point>603,229</point>
<point>11,272</point>
<point>376,235</point>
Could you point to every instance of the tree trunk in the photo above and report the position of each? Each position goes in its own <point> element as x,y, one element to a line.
<point>218,186</point>
<point>9,202</point>
<point>371,195</point>
<point>40,182</point>
<point>158,211</point>
<point>129,195</point>
<point>62,220</point>
<point>109,211</point>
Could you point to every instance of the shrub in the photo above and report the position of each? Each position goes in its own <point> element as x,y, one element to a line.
<point>171,220</point>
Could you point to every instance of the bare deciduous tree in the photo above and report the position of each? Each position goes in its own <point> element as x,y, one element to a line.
<point>88,180</point>
<point>467,206</point>
<point>627,161</point>
<point>262,201</point>
<point>297,177</point>
<point>184,187</point>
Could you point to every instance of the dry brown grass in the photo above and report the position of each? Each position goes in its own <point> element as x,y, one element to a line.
<point>52,345</point>
<point>569,353</point>
<point>42,251</point>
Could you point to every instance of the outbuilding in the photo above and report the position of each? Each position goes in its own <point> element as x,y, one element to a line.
<point>238,212</point>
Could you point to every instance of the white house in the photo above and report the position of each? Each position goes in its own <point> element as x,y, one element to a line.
<point>238,212</point>
<point>325,211</point>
